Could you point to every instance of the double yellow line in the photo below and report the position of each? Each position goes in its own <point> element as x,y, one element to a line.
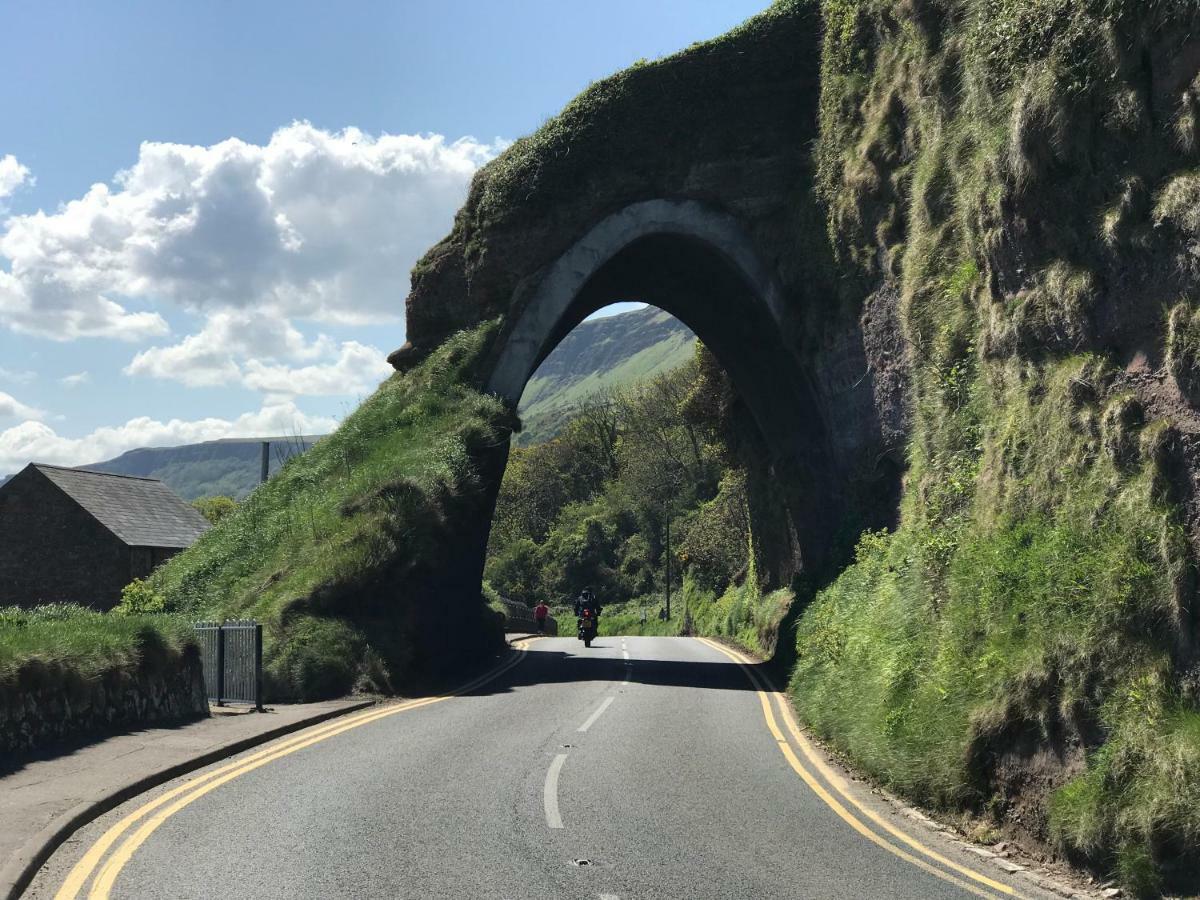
<point>971,881</point>
<point>151,815</point>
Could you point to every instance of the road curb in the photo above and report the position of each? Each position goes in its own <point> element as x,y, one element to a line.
<point>21,868</point>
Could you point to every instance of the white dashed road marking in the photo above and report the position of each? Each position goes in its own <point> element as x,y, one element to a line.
<point>550,793</point>
<point>594,716</point>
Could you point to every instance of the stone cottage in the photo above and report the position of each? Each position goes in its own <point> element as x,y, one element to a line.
<point>74,535</point>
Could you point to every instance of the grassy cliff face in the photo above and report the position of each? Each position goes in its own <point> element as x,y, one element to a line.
<point>1024,643</point>
<point>334,553</point>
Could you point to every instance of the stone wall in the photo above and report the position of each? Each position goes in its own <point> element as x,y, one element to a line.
<point>48,702</point>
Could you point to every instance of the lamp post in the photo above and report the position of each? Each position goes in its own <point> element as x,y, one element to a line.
<point>668,509</point>
<point>668,557</point>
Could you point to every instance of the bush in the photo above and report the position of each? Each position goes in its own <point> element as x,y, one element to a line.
<point>140,597</point>
<point>214,508</point>
<point>320,659</point>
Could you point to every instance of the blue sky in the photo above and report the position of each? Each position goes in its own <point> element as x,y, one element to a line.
<point>285,164</point>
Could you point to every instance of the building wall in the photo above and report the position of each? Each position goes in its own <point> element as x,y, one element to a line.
<point>51,550</point>
<point>145,560</point>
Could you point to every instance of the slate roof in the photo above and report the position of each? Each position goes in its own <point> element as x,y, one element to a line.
<point>142,512</point>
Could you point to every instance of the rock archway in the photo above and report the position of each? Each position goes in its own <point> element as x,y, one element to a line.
<point>700,265</point>
<point>688,184</point>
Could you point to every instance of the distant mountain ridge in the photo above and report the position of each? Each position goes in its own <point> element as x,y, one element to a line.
<point>600,354</point>
<point>229,467</point>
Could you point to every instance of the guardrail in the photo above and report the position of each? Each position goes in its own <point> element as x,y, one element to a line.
<point>231,653</point>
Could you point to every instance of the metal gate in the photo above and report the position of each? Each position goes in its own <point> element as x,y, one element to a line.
<point>232,656</point>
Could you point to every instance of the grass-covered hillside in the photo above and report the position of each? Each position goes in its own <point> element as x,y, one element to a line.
<point>1023,173</point>
<point>598,356</point>
<point>334,553</point>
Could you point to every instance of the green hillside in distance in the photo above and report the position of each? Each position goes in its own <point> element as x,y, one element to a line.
<point>598,355</point>
<point>228,467</point>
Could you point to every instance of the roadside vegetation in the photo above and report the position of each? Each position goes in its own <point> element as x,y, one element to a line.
<point>332,553</point>
<point>591,507</point>
<point>61,641</point>
<point>67,671</point>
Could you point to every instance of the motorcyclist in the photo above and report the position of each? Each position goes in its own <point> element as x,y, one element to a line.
<point>587,599</point>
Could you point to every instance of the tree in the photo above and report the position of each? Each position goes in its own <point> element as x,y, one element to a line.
<point>514,571</point>
<point>590,507</point>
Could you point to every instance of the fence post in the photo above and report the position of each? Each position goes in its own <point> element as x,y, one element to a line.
<point>258,675</point>
<point>221,664</point>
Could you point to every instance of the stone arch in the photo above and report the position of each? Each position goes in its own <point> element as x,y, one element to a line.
<point>699,264</point>
<point>554,302</point>
<point>690,177</point>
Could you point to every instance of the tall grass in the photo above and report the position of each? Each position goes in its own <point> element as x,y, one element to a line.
<point>1047,613</point>
<point>63,636</point>
<point>996,160</point>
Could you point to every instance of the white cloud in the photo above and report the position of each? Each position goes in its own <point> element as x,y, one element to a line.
<point>17,377</point>
<point>314,225</point>
<point>43,303</point>
<point>37,442</point>
<point>12,408</point>
<point>253,348</point>
<point>12,175</point>
<point>209,357</point>
<point>357,370</point>
<point>74,381</point>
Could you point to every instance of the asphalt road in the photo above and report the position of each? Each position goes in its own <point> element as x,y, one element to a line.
<point>641,768</point>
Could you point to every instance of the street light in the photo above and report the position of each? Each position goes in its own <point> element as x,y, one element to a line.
<point>668,509</point>
<point>668,555</point>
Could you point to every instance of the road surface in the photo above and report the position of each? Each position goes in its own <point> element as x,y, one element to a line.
<point>641,768</point>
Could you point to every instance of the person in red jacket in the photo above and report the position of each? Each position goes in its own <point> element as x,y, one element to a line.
<point>539,615</point>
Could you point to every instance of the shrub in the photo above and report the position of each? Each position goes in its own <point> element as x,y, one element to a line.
<point>214,508</point>
<point>140,597</point>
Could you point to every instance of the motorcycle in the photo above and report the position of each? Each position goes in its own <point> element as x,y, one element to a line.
<point>587,626</point>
